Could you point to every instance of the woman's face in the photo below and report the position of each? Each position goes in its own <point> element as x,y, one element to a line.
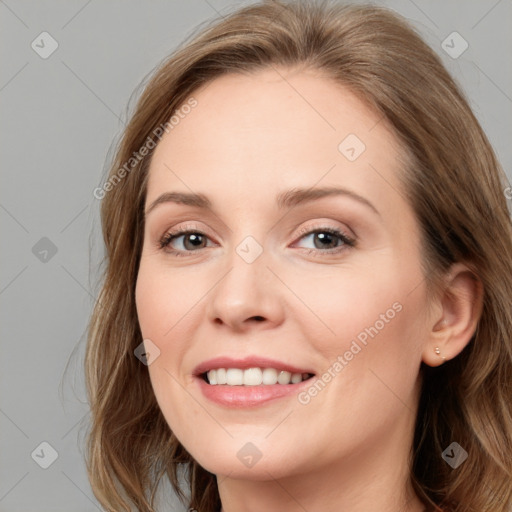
<point>263,284</point>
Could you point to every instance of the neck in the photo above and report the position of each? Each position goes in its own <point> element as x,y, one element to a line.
<point>318,492</point>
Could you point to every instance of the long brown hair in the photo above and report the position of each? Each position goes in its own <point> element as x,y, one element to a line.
<point>453,182</point>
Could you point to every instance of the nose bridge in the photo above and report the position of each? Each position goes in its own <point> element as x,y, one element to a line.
<point>246,289</point>
<point>247,261</point>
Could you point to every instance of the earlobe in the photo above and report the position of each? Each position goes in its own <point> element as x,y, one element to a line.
<point>438,352</point>
<point>434,357</point>
<point>461,306</point>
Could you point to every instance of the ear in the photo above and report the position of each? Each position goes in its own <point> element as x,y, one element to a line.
<point>454,323</point>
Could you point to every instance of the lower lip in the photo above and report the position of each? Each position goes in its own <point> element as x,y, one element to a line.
<point>249,396</point>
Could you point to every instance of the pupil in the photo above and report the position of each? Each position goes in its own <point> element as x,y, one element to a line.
<point>325,237</point>
<point>194,239</point>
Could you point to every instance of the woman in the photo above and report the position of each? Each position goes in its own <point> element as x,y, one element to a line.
<point>306,298</point>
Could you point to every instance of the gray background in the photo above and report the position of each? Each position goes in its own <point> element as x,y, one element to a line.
<point>59,116</point>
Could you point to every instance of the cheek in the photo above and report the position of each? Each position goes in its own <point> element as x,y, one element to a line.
<point>161,302</point>
<point>348,302</point>
<point>371,362</point>
<point>373,320</point>
<point>163,298</point>
<point>379,324</point>
<point>159,308</point>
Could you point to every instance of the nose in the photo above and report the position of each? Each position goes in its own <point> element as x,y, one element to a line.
<point>248,296</point>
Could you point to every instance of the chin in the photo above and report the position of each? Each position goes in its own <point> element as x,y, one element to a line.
<point>261,471</point>
<point>244,459</point>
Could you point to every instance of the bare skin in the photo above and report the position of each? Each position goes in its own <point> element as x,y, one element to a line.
<point>249,139</point>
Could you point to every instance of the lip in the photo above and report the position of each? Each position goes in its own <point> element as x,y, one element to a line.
<point>247,396</point>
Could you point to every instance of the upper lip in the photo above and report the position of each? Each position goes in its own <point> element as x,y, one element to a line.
<point>247,362</point>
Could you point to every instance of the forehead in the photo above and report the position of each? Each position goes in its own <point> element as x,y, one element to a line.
<point>275,129</point>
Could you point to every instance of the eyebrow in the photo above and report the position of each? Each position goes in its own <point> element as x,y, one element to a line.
<point>287,199</point>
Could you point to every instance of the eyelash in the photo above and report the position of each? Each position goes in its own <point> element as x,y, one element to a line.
<point>165,241</point>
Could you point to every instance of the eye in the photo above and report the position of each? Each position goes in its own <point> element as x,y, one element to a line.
<point>325,239</point>
<point>192,240</point>
<point>328,240</point>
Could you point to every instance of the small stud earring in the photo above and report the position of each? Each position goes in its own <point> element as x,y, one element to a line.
<point>438,352</point>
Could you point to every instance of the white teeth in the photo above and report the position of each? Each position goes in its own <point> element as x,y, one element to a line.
<point>296,378</point>
<point>269,376</point>
<point>284,377</point>
<point>253,377</point>
<point>212,377</point>
<point>234,376</point>
<point>221,375</point>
